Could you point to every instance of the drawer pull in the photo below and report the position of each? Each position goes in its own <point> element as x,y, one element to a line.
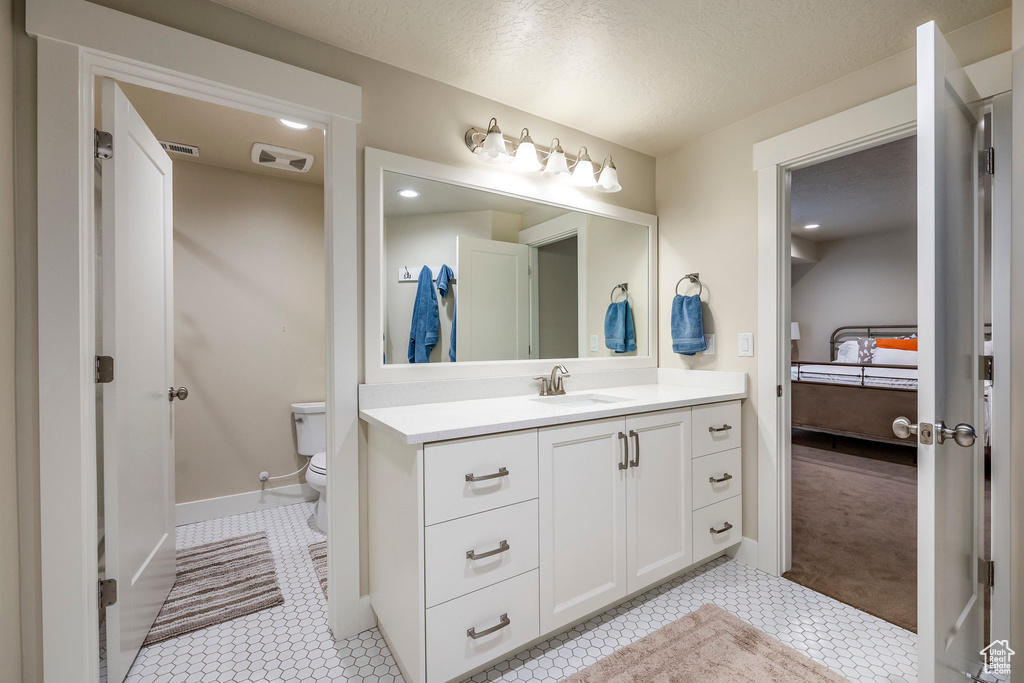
<point>725,477</point>
<point>503,621</point>
<point>636,452</point>
<point>722,530</point>
<point>723,428</point>
<point>625,452</point>
<point>502,472</point>
<point>502,547</point>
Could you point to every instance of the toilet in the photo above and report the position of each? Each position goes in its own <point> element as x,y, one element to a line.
<point>311,432</point>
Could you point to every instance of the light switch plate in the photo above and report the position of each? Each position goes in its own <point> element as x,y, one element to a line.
<point>709,341</point>
<point>746,344</point>
<point>593,342</point>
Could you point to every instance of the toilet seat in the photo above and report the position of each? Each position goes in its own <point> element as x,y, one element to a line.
<point>318,463</point>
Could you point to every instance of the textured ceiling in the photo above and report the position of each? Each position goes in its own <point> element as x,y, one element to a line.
<point>223,135</point>
<point>869,191</point>
<point>647,74</point>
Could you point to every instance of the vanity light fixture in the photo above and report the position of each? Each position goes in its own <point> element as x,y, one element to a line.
<point>408,193</point>
<point>293,124</point>
<point>525,157</point>
<point>494,148</point>
<point>811,226</point>
<point>608,178</point>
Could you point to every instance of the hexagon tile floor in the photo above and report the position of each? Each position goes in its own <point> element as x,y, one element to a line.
<point>292,642</point>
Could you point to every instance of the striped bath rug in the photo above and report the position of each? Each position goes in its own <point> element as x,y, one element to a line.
<point>217,582</point>
<point>318,553</point>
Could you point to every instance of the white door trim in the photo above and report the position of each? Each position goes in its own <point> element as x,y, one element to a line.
<point>874,123</point>
<point>79,40</point>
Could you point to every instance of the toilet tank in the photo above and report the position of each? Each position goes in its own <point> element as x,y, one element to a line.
<point>310,427</point>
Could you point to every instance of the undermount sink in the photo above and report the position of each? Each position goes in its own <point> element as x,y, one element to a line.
<point>579,400</point>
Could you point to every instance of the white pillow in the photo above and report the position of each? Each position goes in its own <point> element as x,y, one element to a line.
<point>894,357</point>
<point>848,352</point>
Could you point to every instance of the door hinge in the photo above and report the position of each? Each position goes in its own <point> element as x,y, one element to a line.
<point>104,369</point>
<point>988,160</point>
<point>108,592</point>
<point>986,572</point>
<point>778,390</point>
<point>987,372</point>
<point>529,270</point>
<point>103,144</point>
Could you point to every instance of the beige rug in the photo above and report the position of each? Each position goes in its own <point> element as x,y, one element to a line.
<point>217,582</point>
<point>707,645</point>
<point>318,553</point>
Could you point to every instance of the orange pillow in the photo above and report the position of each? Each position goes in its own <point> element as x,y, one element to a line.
<point>905,344</point>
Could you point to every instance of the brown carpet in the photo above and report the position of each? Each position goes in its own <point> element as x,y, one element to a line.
<point>855,527</point>
<point>217,582</point>
<point>707,645</point>
<point>318,554</point>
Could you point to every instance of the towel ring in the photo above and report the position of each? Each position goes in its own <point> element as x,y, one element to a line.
<point>625,290</point>
<point>693,278</point>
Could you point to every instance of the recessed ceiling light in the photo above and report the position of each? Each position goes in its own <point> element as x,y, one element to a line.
<point>811,226</point>
<point>408,194</point>
<point>293,124</point>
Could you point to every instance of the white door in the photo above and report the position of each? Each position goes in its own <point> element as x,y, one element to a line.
<point>582,520</point>
<point>658,508</point>
<point>493,317</point>
<point>138,437</point>
<point>950,392</point>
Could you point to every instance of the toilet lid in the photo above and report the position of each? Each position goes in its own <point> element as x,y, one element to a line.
<point>319,463</point>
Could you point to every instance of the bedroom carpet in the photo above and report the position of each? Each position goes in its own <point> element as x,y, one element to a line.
<point>855,525</point>
<point>707,645</point>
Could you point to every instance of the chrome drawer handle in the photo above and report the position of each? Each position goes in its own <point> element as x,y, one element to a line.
<point>725,477</point>
<point>723,428</point>
<point>502,472</point>
<point>502,547</point>
<point>503,621</point>
<point>722,530</point>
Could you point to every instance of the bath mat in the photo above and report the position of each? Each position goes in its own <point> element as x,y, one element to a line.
<point>707,645</point>
<point>318,553</point>
<point>218,582</point>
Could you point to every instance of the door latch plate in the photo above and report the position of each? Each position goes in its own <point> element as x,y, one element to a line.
<point>926,433</point>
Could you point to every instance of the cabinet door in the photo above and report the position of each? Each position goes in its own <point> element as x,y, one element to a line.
<point>582,520</point>
<point>658,497</point>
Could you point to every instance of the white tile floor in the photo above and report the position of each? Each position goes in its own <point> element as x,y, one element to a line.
<point>292,642</point>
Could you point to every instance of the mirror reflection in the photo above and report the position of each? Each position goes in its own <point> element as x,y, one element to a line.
<point>473,275</point>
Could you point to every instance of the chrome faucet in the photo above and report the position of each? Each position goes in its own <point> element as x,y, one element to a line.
<point>552,386</point>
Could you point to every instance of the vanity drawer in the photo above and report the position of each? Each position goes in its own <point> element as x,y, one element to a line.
<point>709,470</point>
<point>510,530</point>
<point>727,514</point>
<point>451,651</point>
<point>504,466</point>
<point>716,428</point>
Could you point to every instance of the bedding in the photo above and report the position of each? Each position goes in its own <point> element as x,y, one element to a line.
<point>886,356</point>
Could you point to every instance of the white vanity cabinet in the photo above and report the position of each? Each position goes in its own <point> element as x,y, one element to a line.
<point>481,546</point>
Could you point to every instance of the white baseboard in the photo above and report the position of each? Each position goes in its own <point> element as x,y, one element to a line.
<point>241,503</point>
<point>745,552</point>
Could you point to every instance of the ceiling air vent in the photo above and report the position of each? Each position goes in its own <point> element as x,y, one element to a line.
<point>280,157</point>
<point>178,148</point>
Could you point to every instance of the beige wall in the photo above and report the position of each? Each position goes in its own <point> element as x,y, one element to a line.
<point>10,626</point>
<point>707,209</point>
<point>616,253</point>
<point>248,325</point>
<point>863,280</point>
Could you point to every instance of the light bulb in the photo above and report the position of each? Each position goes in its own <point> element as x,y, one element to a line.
<point>557,167</point>
<point>526,158</point>
<point>293,124</point>
<point>583,172</point>
<point>494,150</point>
<point>608,178</point>
<point>408,194</point>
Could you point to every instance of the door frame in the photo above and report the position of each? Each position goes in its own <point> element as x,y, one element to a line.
<point>871,124</point>
<point>77,41</point>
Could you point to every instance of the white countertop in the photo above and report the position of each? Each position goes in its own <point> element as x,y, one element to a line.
<point>457,419</point>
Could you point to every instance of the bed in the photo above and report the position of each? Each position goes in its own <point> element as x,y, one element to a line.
<point>858,399</point>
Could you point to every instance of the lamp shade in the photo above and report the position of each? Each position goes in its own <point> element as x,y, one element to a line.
<point>557,166</point>
<point>583,172</point>
<point>608,178</point>
<point>526,158</point>
<point>794,331</point>
<point>494,150</point>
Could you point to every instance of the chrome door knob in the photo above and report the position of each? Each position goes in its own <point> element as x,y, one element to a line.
<point>903,428</point>
<point>181,393</point>
<point>963,434</point>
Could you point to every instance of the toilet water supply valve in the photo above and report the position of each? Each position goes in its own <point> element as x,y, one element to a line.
<point>265,476</point>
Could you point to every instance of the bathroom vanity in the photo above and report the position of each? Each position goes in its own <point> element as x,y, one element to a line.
<point>496,522</point>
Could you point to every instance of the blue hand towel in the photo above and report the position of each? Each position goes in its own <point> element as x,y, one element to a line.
<point>687,325</point>
<point>455,325</point>
<point>444,278</point>
<point>425,321</point>
<point>619,335</point>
